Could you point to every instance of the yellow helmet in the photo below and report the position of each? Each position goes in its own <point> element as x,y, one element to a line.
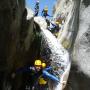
<point>57,22</point>
<point>38,62</point>
<point>43,65</point>
<point>46,8</point>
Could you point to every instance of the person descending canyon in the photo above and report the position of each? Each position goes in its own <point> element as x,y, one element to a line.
<point>45,12</point>
<point>36,8</point>
<point>35,75</point>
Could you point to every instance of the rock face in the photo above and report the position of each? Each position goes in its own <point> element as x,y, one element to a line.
<point>81,51</point>
<point>10,22</point>
<point>19,44</point>
<point>76,32</point>
<point>16,35</point>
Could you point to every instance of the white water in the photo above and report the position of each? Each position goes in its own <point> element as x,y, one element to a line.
<point>41,21</point>
<point>58,56</point>
<point>30,13</point>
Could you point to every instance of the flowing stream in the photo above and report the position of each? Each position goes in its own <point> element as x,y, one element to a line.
<point>57,54</point>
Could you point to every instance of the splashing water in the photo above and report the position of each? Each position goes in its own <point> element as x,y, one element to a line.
<point>58,55</point>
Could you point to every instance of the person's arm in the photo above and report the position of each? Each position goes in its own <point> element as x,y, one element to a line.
<point>42,12</point>
<point>49,15</point>
<point>35,7</point>
<point>53,25</point>
<point>22,70</point>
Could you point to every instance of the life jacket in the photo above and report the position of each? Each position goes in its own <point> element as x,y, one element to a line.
<point>42,81</point>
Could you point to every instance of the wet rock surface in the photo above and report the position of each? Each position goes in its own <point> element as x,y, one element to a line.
<point>17,42</point>
<point>80,48</point>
